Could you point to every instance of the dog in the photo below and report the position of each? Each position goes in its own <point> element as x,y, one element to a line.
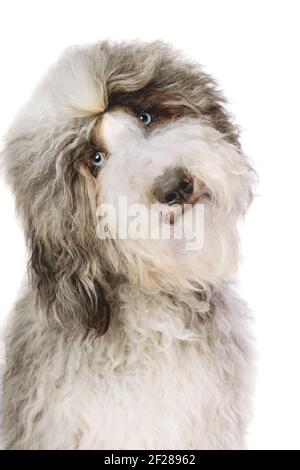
<point>127,342</point>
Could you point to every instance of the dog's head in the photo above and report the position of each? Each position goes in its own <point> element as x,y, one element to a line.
<point>115,124</point>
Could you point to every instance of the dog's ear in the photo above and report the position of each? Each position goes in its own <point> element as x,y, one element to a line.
<point>56,197</point>
<point>66,264</point>
<point>70,289</point>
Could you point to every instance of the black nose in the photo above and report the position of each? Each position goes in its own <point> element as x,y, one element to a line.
<point>175,186</point>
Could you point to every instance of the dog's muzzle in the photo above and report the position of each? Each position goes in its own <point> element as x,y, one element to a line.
<point>175,186</point>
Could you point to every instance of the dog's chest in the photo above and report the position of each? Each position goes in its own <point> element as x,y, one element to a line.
<point>152,382</point>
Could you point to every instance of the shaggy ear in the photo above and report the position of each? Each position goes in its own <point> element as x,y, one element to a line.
<point>56,197</point>
<point>70,290</point>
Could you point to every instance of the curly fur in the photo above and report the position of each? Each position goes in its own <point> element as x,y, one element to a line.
<point>125,343</point>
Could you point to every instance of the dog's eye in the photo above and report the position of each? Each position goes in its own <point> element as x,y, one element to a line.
<point>146,118</point>
<point>98,158</point>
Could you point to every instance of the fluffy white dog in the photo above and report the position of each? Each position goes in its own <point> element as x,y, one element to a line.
<point>127,342</point>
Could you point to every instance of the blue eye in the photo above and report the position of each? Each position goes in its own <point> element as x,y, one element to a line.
<point>98,158</point>
<point>146,118</point>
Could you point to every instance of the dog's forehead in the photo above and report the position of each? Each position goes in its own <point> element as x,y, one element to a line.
<point>163,104</point>
<point>137,77</point>
<point>164,108</point>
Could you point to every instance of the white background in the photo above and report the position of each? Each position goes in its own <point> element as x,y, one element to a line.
<point>252,47</point>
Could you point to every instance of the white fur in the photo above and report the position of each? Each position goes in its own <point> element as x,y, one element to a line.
<point>136,160</point>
